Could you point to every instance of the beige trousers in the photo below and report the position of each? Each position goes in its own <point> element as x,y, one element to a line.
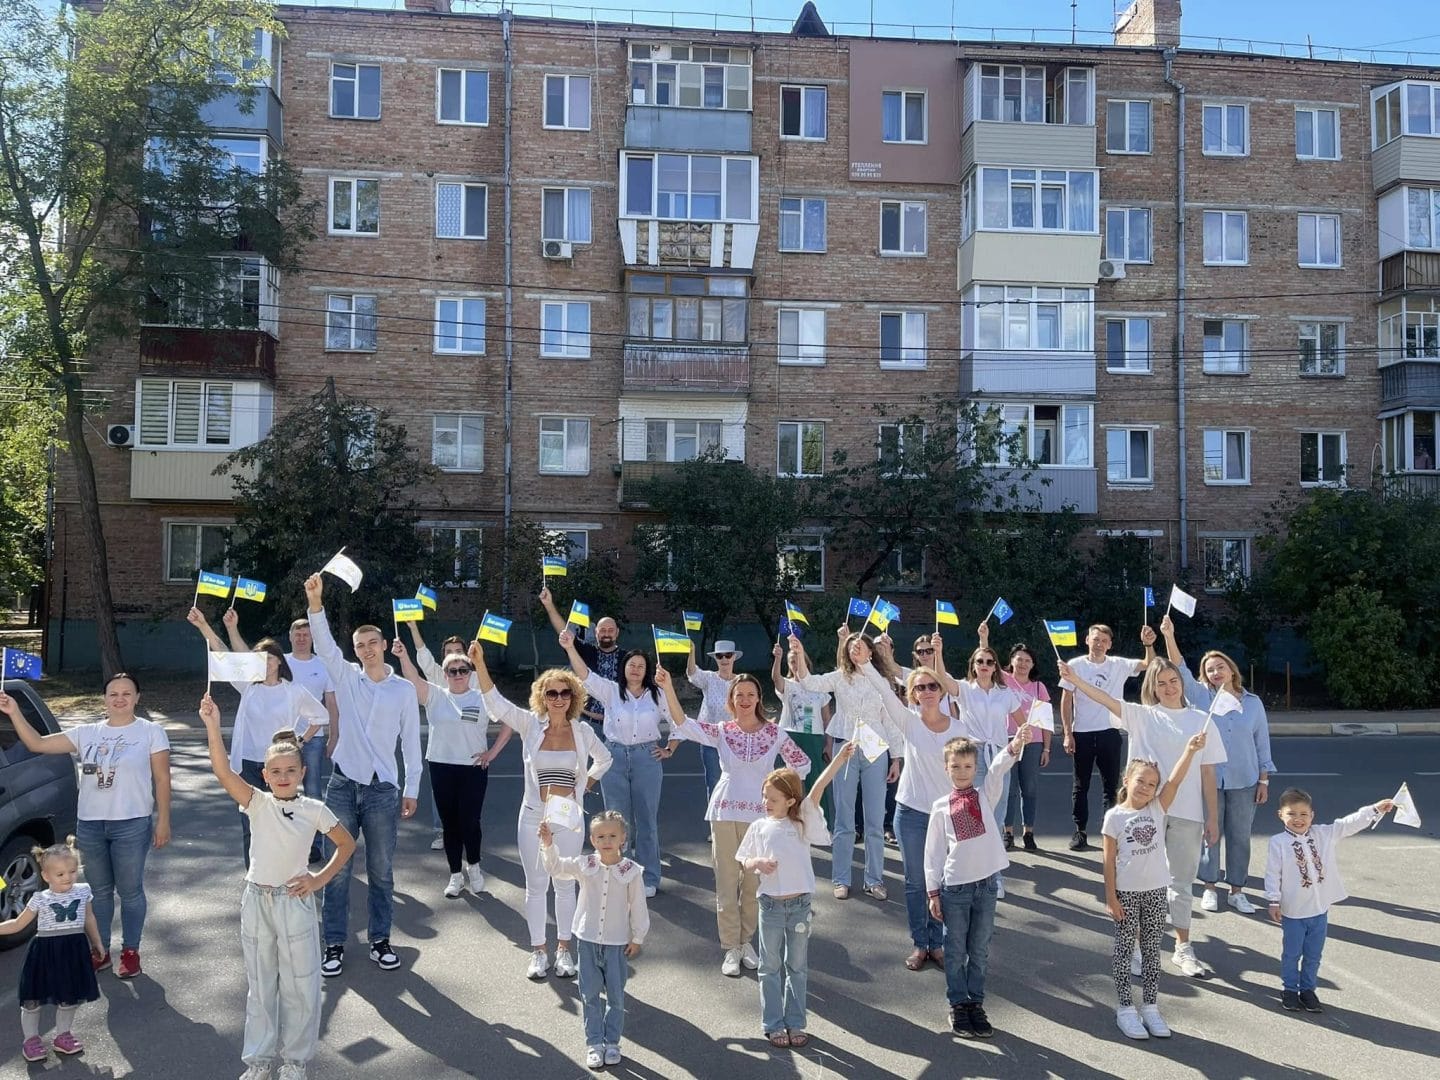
<point>737,908</point>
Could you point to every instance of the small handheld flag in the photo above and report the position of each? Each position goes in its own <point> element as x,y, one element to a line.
<point>1182,601</point>
<point>1061,631</point>
<point>343,567</point>
<point>494,628</point>
<point>1405,812</point>
<point>553,566</point>
<point>1042,716</point>
<point>427,596</point>
<point>407,610</point>
<point>882,614</point>
<point>1001,610</point>
<point>788,627</point>
<point>693,620</point>
<point>859,608</point>
<point>237,667</point>
<point>579,614</point>
<point>667,641</point>
<point>249,589</point>
<point>15,664</point>
<point>1149,596</point>
<point>213,585</point>
<point>1224,703</point>
<point>794,614</point>
<point>945,613</point>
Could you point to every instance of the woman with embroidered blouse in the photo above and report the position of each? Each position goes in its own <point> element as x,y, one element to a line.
<point>748,744</point>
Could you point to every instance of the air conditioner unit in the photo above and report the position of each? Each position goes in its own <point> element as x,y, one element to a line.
<point>120,435</point>
<point>1112,270</point>
<point>557,249</point>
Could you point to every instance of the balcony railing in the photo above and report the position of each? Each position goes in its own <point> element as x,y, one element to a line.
<point>1416,483</point>
<point>708,369</point>
<point>188,350</point>
<point>1410,384</point>
<point>1410,271</point>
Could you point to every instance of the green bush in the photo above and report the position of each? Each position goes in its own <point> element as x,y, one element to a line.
<point>1359,638</point>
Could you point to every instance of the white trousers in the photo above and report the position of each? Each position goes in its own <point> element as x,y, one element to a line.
<point>537,881</point>
<point>280,937</point>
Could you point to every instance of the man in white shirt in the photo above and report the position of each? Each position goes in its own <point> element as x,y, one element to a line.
<point>1089,737</point>
<point>377,708</point>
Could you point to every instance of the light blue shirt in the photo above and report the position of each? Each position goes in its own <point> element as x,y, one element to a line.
<point>1246,736</point>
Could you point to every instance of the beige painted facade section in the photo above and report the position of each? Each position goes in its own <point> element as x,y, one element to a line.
<point>179,475</point>
<point>1059,146</point>
<point>1410,157</point>
<point>1029,259</point>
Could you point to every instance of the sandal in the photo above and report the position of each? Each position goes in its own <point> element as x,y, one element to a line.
<point>842,892</point>
<point>938,956</point>
<point>798,1038</point>
<point>916,960</point>
<point>780,1039</point>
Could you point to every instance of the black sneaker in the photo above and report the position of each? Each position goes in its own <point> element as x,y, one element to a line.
<point>980,1023</point>
<point>1029,842</point>
<point>333,962</point>
<point>383,955</point>
<point>1310,1002</point>
<point>1290,1001</point>
<point>1078,842</point>
<point>1009,841</point>
<point>960,1021</point>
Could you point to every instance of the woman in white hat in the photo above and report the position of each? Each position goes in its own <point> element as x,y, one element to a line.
<point>714,686</point>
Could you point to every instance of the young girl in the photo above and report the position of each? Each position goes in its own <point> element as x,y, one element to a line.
<point>279,928</point>
<point>777,847</point>
<point>1137,876</point>
<point>611,921</point>
<point>59,968</point>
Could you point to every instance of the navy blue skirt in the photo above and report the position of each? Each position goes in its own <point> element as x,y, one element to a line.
<point>58,971</point>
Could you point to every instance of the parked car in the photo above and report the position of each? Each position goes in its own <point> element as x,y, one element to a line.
<point>38,797</point>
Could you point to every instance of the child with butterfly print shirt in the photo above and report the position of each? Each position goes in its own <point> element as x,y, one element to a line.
<point>58,968</point>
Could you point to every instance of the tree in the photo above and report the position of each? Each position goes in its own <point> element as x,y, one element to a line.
<point>117,198</point>
<point>27,422</point>
<point>332,473</point>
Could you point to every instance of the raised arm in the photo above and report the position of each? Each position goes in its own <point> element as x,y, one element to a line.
<point>577,662</point>
<point>948,681</point>
<point>231,619</point>
<point>511,715</point>
<point>323,640</point>
<point>196,618</point>
<point>823,780</point>
<point>425,659</point>
<point>410,671</point>
<point>59,743</point>
<point>777,680</point>
<point>1177,774</point>
<point>1172,650</point>
<point>1095,694</point>
<point>1147,639</point>
<point>548,603</point>
<point>672,702</point>
<point>229,779</point>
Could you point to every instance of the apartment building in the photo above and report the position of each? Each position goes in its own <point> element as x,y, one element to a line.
<point>567,255</point>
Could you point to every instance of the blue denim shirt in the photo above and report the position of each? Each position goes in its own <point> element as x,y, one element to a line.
<point>1246,736</point>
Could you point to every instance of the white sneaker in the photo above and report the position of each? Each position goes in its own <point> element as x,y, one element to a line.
<point>1154,1022</point>
<point>455,887</point>
<point>612,1055</point>
<point>256,1072</point>
<point>1137,967</point>
<point>474,878</point>
<point>539,965</point>
<point>731,964</point>
<point>564,963</point>
<point>292,1070</point>
<point>1209,900</point>
<point>748,956</point>
<point>1184,958</point>
<point>1128,1020</point>
<point>438,844</point>
<point>1241,903</point>
<point>1000,889</point>
<point>595,1057</point>
<point>650,892</point>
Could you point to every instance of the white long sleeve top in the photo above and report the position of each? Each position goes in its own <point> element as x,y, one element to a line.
<point>986,713</point>
<point>264,710</point>
<point>373,717</point>
<point>610,909</point>
<point>1301,870</point>
<point>592,760</point>
<point>959,856</point>
<point>746,758</point>
<point>714,690</point>
<point>863,696</point>
<point>629,721</point>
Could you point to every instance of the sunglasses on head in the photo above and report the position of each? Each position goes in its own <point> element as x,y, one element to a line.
<point>926,687</point>
<point>557,695</point>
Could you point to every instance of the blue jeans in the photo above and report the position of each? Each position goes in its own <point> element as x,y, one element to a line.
<point>1302,942</point>
<point>910,828</point>
<point>371,810</point>
<point>252,773</point>
<point>1236,808</point>
<point>632,786</point>
<point>969,921</point>
<point>710,764</point>
<point>1024,783</point>
<point>784,962</point>
<point>869,778</point>
<point>312,754</point>
<point>602,968</point>
<point>114,854</point>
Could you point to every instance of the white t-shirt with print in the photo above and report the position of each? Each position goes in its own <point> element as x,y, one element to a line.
<point>311,674</point>
<point>1159,734</point>
<point>281,831</point>
<point>1108,675</point>
<point>800,711</point>
<point>458,726</point>
<point>115,778</point>
<point>1139,835</point>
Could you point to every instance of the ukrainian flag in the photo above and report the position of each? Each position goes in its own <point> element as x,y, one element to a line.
<point>426,596</point>
<point>494,628</point>
<point>407,610</point>
<point>249,589</point>
<point>693,620</point>
<point>794,614</point>
<point>553,566</point>
<point>1062,632</point>
<point>667,641</point>
<point>945,613</point>
<point>213,585</point>
<point>579,613</point>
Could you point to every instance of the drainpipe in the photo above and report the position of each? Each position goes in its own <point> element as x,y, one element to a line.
<point>1180,303</point>
<point>506,17</point>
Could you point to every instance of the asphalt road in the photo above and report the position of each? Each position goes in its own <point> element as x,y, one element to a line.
<point>461,1006</point>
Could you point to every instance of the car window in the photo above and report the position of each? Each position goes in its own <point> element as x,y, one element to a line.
<point>10,742</point>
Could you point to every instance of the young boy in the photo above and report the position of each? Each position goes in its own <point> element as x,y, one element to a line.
<point>1302,880</point>
<point>964,854</point>
<point>611,921</point>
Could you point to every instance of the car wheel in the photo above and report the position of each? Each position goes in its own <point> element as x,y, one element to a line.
<point>22,881</point>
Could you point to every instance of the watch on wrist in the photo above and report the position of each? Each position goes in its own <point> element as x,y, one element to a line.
<point>1265,783</point>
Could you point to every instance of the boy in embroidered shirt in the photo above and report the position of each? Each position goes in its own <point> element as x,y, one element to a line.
<point>1302,880</point>
<point>611,921</point>
<point>964,855</point>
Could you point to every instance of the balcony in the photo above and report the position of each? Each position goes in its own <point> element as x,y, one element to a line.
<point>254,109</point>
<point>1029,258</point>
<point>697,244</point>
<point>689,369</point>
<point>1010,371</point>
<point>1413,483</point>
<point>1409,157</point>
<point>667,127</point>
<point>197,351</point>
<point>1052,146</point>
<point>1410,271</point>
<point>1046,491</point>
<point>181,475</point>
<point>1410,384</point>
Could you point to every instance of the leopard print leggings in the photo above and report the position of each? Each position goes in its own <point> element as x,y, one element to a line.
<point>1145,915</point>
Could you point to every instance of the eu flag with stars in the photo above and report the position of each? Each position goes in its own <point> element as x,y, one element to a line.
<point>20,665</point>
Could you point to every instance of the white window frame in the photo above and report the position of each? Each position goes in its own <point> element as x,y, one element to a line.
<point>671,433</point>
<point>907,137</point>
<point>355,331</point>
<point>896,583</point>
<point>1075,315</point>
<point>990,95</point>
<point>799,213</point>
<point>1381,105</point>
<point>568,428</point>
<point>807,543</point>
<point>808,102</point>
<point>1124,128</point>
<point>902,252</point>
<point>1129,479</point>
<point>1222,436</point>
<point>1225,257</point>
<point>168,545</point>
<point>353,182</point>
<point>1132,351</point>
<point>914,430</point>
<point>573,344</point>
<point>465,76</point>
<point>689,64</point>
<point>1320,437</point>
<point>566,124</point>
<point>1011,417</point>
<point>796,468</point>
<point>1225,361</point>
<point>354,79</point>
<point>456,423</point>
<point>1315,115</point>
<point>457,544</point>
<point>1226,118</point>
<point>1206,539</point>
<point>1016,179</point>
<point>800,336</point>
<point>1427,236</point>
<point>467,192</point>
<point>912,355</point>
<point>576,538</point>
<point>204,395</point>
<point>726,162</point>
<point>1127,215</point>
<point>1313,331</point>
<point>568,224</point>
<point>1315,225</point>
<point>452,329</point>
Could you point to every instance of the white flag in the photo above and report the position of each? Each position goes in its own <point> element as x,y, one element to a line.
<point>237,667</point>
<point>343,567</point>
<point>1042,716</point>
<point>1182,601</point>
<point>562,813</point>
<point>869,741</point>
<point>1224,703</point>
<point>1405,812</point>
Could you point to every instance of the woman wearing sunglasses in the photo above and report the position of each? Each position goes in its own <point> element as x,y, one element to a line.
<point>926,652</point>
<point>563,759</point>
<point>988,708</point>
<point>459,756</point>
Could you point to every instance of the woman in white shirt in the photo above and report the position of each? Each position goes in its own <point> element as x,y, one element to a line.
<point>564,758</point>
<point>276,704</point>
<point>990,710</point>
<point>804,716</point>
